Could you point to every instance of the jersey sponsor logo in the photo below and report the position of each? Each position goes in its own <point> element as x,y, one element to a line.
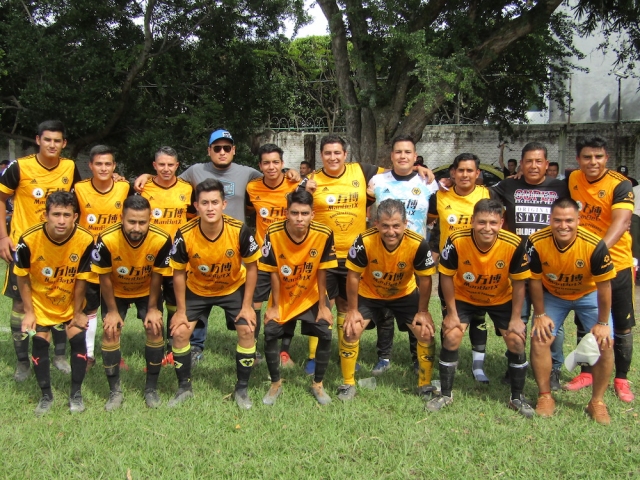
<point>331,199</point>
<point>150,258</point>
<point>552,276</point>
<point>122,270</point>
<point>580,263</point>
<point>91,219</point>
<point>156,213</point>
<point>265,249</point>
<point>230,253</point>
<point>378,274</point>
<point>253,247</point>
<point>203,268</point>
<point>313,253</point>
<point>38,193</point>
<point>452,219</point>
<point>286,270</point>
<point>344,225</point>
<point>353,252</point>
<point>264,212</point>
<point>74,257</point>
<point>500,264</point>
<point>47,272</point>
<point>446,250</point>
<point>468,277</point>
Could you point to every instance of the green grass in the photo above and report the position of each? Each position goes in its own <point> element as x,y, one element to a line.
<point>383,433</point>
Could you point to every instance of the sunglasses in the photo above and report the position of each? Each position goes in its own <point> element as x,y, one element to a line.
<point>219,148</point>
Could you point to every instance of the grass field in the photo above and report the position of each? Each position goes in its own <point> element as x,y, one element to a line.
<point>384,433</point>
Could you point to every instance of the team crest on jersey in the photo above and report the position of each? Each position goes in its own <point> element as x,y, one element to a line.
<point>91,219</point>
<point>416,191</point>
<point>401,265</point>
<point>468,277</point>
<point>150,258</point>
<point>580,263</point>
<point>378,274</point>
<point>313,253</point>
<point>500,264</point>
<point>65,180</point>
<point>122,270</point>
<point>286,270</point>
<point>74,257</point>
<point>203,268</point>
<point>157,213</point>
<point>183,198</point>
<point>118,204</point>
<point>264,212</point>
<point>229,253</point>
<point>38,193</point>
<point>607,259</point>
<point>47,272</point>
<point>95,254</point>
<point>552,276</point>
<point>452,219</point>
<point>601,194</point>
<point>355,183</point>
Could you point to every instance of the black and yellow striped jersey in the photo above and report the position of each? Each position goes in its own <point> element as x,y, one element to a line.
<point>100,210</point>
<point>168,204</point>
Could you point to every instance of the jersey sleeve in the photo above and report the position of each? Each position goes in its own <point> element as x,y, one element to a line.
<point>423,263</point>
<point>497,191</point>
<point>433,204</point>
<point>84,266</point>
<point>22,258</point>
<point>357,257</point>
<point>101,258</point>
<point>268,261</point>
<point>370,170</point>
<point>328,258</point>
<point>448,259</point>
<point>161,263</point>
<point>433,187</point>
<point>623,196</point>
<point>76,175</point>
<point>254,174</point>
<point>10,179</point>
<point>247,200</point>
<point>535,266</point>
<point>519,266</point>
<point>601,264</point>
<point>179,257</point>
<point>249,249</point>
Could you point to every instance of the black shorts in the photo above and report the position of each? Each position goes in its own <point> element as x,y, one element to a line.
<point>622,300</point>
<point>263,287</point>
<point>500,315</point>
<point>404,309</point>
<point>337,280</point>
<point>123,304</point>
<point>168,293</point>
<point>199,308</point>
<point>92,295</point>
<point>47,328</point>
<point>308,326</point>
<point>10,288</point>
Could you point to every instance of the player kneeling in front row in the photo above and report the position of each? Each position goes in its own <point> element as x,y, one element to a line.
<point>382,264</point>
<point>484,267</point>
<point>214,264</point>
<point>52,264</point>
<point>297,252</point>
<point>131,256</point>
<point>571,269</point>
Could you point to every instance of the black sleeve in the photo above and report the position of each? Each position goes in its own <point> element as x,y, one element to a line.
<point>248,244</point>
<point>520,260</point>
<point>601,260</point>
<point>85,261</point>
<point>76,175</point>
<point>423,260</point>
<point>11,176</point>
<point>368,170</point>
<point>561,187</point>
<point>358,253</point>
<point>132,191</point>
<point>449,256</point>
<point>268,256</point>
<point>101,255</point>
<point>623,193</point>
<point>433,204</point>
<point>329,252</point>
<point>534,259</point>
<point>191,210</point>
<point>22,256</point>
<point>497,191</point>
<point>247,200</point>
<point>179,250</point>
<point>162,259</point>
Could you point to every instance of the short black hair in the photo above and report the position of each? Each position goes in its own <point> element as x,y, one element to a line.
<point>329,139</point>
<point>136,202</point>
<point>554,164</point>
<point>166,150</point>
<point>101,150</point>
<point>403,138</point>
<point>590,142</point>
<point>300,196</point>
<point>61,199</point>
<point>488,205</point>
<point>5,162</point>
<point>304,162</point>
<point>465,157</point>
<point>532,147</point>
<point>269,148</point>
<point>512,160</point>
<point>565,202</point>
<point>209,185</point>
<point>52,126</point>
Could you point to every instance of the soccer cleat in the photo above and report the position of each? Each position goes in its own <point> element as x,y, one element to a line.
<point>286,362</point>
<point>197,355</point>
<point>76,405</point>
<point>182,395</point>
<point>382,366</point>
<point>61,363</point>
<point>310,366</point>
<point>583,380</point>
<point>438,403</point>
<point>521,405</point>
<point>346,392</point>
<point>621,387</point>
<point>598,412</point>
<point>546,406</point>
<point>321,396</point>
<point>259,358</point>
<point>554,380</point>
<point>426,392</point>
<point>151,398</point>
<point>241,396</point>
<point>23,370</point>
<point>272,395</point>
<point>44,405</point>
<point>167,360</point>
<point>115,400</point>
<point>123,364</point>
<point>90,363</point>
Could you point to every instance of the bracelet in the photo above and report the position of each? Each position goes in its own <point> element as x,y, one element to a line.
<point>603,324</point>
<point>544,314</point>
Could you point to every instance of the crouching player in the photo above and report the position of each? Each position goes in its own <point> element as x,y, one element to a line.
<point>382,263</point>
<point>53,262</point>
<point>571,269</point>
<point>297,252</point>
<point>131,257</point>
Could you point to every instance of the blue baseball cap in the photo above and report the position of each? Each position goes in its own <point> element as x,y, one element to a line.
<point>218,134</point>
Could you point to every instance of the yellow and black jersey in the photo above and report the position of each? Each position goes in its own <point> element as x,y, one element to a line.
<point>597,200</point>
<point>168,204</point>
<point>571,272</point>
<point>100,210</point>
<point>130,266</point>
<point>269,203</point>
<point>31,183</point>
<point>484,277</point>
<point>389,274</point>
<point>454,211</point>
<point>340,203</point>
<point>214,267</point>
<point>53,269</point>
<point>297,265</point>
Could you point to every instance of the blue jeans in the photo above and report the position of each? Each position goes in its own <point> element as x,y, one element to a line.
<point>587,307</point>
<point>557,355</point>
